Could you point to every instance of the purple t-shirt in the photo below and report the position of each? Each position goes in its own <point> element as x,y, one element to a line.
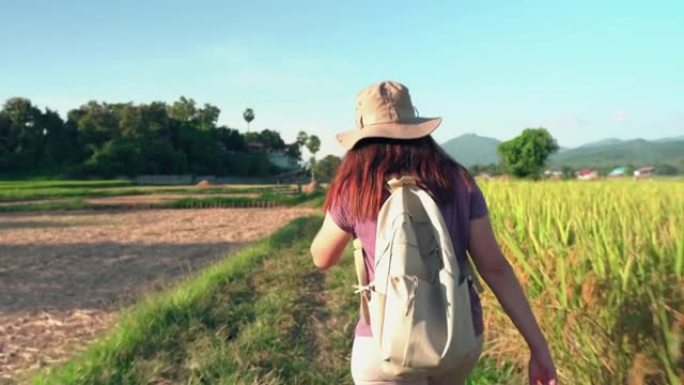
<point>468,203</point>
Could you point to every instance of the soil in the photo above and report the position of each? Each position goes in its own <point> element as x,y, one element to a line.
<point>64,275</point>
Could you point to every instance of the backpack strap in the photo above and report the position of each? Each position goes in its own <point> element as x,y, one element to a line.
<point>467,270</point>
<point>395,183</point>
<point>469,273</point>
<point>363,287</point>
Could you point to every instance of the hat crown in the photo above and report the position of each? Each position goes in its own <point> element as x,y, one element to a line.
<point>385,102</point>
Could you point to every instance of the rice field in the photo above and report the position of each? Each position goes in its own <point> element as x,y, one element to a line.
<point>602,263</point>
<point>36,196</point>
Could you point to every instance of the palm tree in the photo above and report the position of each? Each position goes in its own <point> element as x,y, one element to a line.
<point>313,144</point>
<point>249,116</point>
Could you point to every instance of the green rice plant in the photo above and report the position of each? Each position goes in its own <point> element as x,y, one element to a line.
<point>602,265</point>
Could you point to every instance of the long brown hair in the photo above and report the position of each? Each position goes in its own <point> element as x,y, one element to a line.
<point>361,178</point>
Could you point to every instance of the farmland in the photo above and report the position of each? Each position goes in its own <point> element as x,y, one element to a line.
<point>65,275</point>
<point>65,272</point>
<point>602,264</point>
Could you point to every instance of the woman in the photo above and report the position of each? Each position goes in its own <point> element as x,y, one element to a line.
<point>391,141</point>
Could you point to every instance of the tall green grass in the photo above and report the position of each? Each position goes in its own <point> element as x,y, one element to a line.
<point>603,265</point>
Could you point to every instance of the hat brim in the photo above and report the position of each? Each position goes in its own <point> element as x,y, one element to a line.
<point>413,129</point>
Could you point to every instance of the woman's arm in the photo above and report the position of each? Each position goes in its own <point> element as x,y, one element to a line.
<point>329,243</point>
<point>499,275</point>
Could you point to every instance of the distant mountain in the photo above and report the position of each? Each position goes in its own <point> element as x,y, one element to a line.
<point>603,142</point>
<point>471,149</point>
<point>672,139</point>
<point>635,152</point>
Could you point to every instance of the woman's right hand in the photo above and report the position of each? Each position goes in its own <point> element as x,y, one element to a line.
<point>541,368</point>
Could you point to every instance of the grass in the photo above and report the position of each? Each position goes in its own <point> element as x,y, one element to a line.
<point>65,204</point>
<point>31,191</point>
<point>32,184</point>
<point>263,200</point>
<point>22,201</point>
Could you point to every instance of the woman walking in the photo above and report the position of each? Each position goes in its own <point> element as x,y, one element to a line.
<point>391,141</point>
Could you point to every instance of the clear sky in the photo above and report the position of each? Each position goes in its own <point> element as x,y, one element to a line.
<point>586,70</point>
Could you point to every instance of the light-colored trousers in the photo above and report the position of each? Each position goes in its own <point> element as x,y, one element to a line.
<point>365,367</point>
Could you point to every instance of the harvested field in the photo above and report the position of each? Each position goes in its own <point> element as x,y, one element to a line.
<point>128,201</point>
<point>64,275</point>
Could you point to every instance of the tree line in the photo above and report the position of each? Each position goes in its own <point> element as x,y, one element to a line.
<point>101,139</point>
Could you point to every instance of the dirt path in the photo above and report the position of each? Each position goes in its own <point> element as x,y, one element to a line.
<point>64,275</point>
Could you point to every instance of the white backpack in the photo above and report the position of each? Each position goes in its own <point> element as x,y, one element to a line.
<point>419,302</point>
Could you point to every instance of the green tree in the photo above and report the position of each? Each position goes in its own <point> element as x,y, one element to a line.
<point>183,110</point>
<point>97,124</point>
<point>208,116</point>
<point>23,134</point>
<point>186,110</point>
<point>116,157</point>
<point>524,156</point>
<point>665,169</point>
<point>6,141</point>
<point>230,139</point>
<point>271,140</point>
<point>294,152</point>
<point>568,172</point>
<point>327,167</point>
<point>491,169</point>
<point>62,147</point>
<point>313,144</point>
<point>302,137</point>
<point>248,115</point>
<point>629,169</point>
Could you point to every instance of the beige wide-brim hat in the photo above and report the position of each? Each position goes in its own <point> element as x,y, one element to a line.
<point>384,110</point>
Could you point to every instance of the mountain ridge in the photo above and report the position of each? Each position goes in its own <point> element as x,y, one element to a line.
<point>472,149</point>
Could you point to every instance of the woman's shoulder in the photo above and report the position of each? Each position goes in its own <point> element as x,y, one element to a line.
<point>462,179</point>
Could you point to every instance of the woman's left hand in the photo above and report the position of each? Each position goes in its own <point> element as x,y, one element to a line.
<point>541,369</point>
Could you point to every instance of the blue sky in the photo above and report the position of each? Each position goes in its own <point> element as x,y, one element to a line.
<point>586,70</point>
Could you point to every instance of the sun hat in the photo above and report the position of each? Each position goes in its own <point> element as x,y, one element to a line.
<point>384,110</point>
